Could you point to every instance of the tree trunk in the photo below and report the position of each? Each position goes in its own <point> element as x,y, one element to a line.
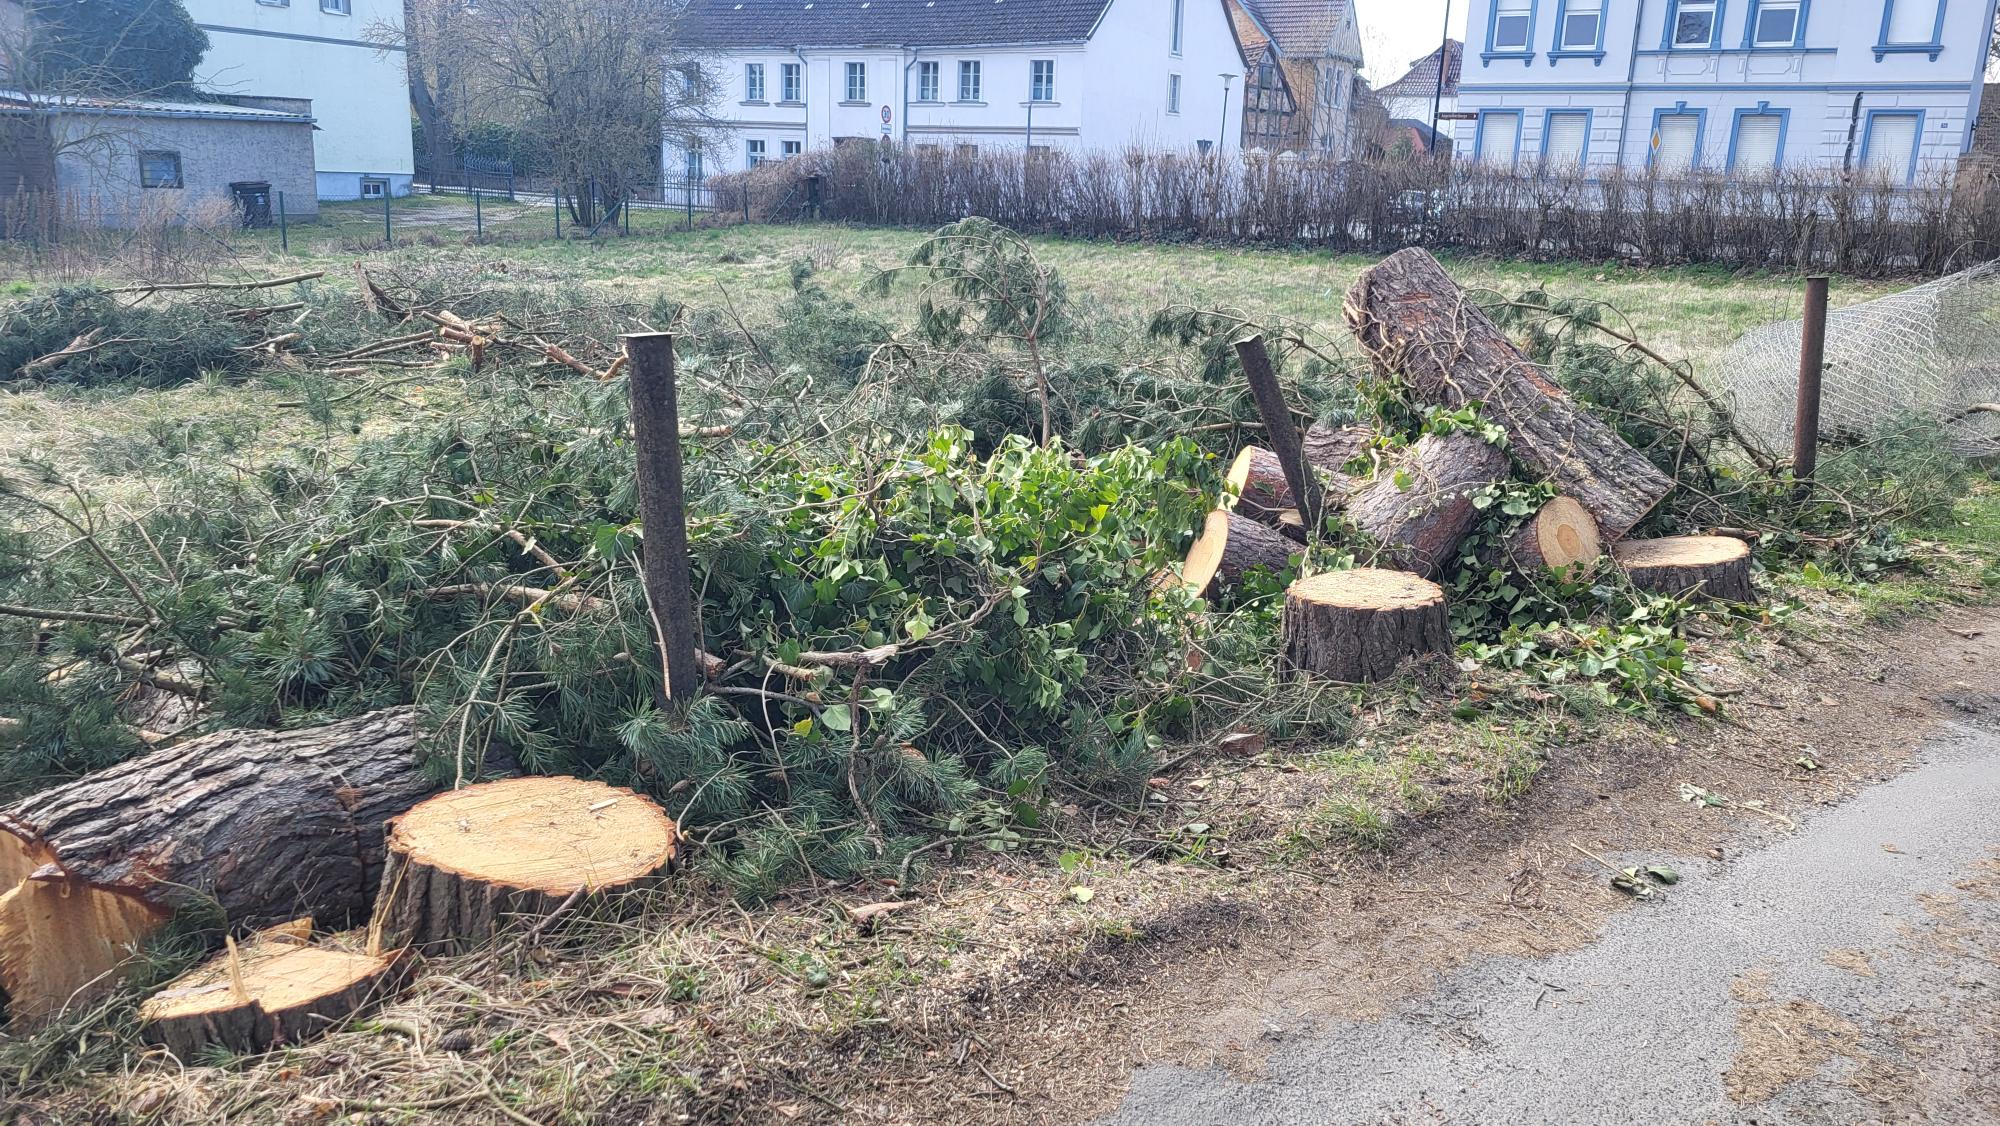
<point>1420,507</point>
<point>1360,625</point>
<point>266,994</point>
<point>262,825</point>
<point>1230,547</point>
<point>1262,493</point>
<point>1415,321</point>
<point>1561,534</point>
<point>1706,566</point>
<point>1332,447</point>
<point>464,863</point>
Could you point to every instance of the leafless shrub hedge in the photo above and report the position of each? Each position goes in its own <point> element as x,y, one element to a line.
<point>1798,219</point>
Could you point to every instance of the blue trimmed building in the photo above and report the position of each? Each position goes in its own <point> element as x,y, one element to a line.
<point>1890,87</point>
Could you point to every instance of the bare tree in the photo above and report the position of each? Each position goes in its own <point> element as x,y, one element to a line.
<point>593,83</point>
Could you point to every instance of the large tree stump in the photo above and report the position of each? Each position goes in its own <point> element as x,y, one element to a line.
<point>1415,321</point>
<point>1420,508</point>
<point>1555,538</point>
<point>1707,566</point>
<point>1359,625</point>
<point>1229,547</point>
<point>265,825</point>
<point>464,863</point>
<point>272,991</point>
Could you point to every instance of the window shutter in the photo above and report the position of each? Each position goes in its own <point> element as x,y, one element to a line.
<point>1568,132</point>
<point>1756,143</point>
<point>1498,133</point>
<point>1891,140</point>
<point>1676,134</point>
<point>1912,21</point>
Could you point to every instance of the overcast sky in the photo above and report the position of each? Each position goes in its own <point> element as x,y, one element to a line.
<point>1396,32</point>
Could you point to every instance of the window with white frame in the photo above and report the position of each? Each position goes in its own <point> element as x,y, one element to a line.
<point>791,149</point>
<point>1755,152</point>
<point>1179,16</point>
<point>1675,139</point>
<point>1694,23</point>
<point>1775,23</point>
<point>927,82</point>
<point>1338,84</point>
<point>374,187</point>
<point>968,80</point>
<point>1499,138</point>
<point>791,84</point>
<point>1042,80</point>
<point>753,82</point>
<point>1173,93</point>
<point>857,82</point>
<point>1582,25</point>
<point>1567,140</point>
<point>753,153</point>
<point>1911,21</point>
<point>1889,150</point>
<point>692,165</point>
<point>1512,20</point>
<point>159,169</point>
<point>336,7</point>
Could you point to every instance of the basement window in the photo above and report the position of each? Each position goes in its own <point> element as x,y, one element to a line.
<point>374,187</point>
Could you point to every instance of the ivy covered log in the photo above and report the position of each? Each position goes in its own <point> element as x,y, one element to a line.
<point>1562,533</point>
<point>1330,448</point>
<point>1415,322</point>
<point>464,864</point>
<point>1361,625</point>
<point>1421,507</point>
<point>261,825</point>
<point>272,991</point>
<point>1231,546</point>
<point>1706,566</point>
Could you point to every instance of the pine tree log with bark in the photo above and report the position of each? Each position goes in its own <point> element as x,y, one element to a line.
<point>1421,507</point>
<point>1361,625</point>
<point>1558,536</point>
<point>1416,323</point>
<point>1230,547</point>
<point>262,826</point>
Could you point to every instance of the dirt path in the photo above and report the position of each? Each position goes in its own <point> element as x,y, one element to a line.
<point>1392,970</point>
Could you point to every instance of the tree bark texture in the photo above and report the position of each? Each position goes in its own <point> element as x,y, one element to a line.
<point>1230,547</point>
<point>1416,322</point>
<point>316,987</point>
<point>1706,566</point>
<point>1419,508</point>
<point>1361,625</point>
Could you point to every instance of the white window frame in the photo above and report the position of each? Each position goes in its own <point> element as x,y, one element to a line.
<point>691,165</point>
<point>1041,80</point>
<point>337,7</point>
<point>1178,34</point>
<point>1174,94</point>
<point>1572,9</point>
<point>754,153</point>
<point>857,82</point>
<point>1524,10</point>
<point>380,184</point>
<point>789,149</point>
<point>1754,33</point>
<point>971,82</point>
<point>1714,36</point>
<point>930,81</point>
<point>753,82</point>
<point>791,82</point>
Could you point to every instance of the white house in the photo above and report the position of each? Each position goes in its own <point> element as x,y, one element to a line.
<point>320,50</point>
<point>1099,75</point>
<point>1890,87</point>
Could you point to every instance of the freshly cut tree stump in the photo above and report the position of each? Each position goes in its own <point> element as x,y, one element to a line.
<point>267,993</point>
<point>1561,534</point>
<point>1415,321</point>
<point>464,863</point>
<point>1710,566</point>
<point>1359,625</point>
<point>1230,546</point>
<point>1420,509</point>
<point>265,825</point>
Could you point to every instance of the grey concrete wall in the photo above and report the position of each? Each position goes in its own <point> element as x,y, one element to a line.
<point>98,167</point>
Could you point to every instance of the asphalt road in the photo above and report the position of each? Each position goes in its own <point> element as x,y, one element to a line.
<point>1849,971</point>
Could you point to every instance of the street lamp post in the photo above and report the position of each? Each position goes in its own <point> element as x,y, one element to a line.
<point>1222,137</point>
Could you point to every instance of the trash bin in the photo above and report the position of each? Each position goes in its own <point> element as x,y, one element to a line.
<point>253,201</point>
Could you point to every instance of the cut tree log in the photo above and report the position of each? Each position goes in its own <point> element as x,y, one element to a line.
<point>1258,482</point>
<point>1415,321</point>
<point>273,990</point>
<point>261,825</point>
<point>1420,508</point>
<point>1332,447</point>
<point>1561,534</point>
<point>1360,625</point>
<point>1229,547</point>
<point>1707,566</point>
<point>465,863</point>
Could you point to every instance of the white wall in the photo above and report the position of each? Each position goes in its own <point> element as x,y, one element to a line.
<point>359,91</point>
<point>1813,86</point>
